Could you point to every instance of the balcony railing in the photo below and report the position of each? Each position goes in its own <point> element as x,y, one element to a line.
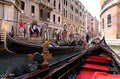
<point>46,4</point>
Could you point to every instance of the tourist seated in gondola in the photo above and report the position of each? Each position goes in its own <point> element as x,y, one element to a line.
<point>74,43</point>
<point>95,41</point>
<point>24,69</point>
<point>40,61</point>
<point>80,42</point>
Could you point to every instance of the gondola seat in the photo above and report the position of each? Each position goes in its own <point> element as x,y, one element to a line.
<point>96,67</point>
<point>85,74</point>
<point>99,59</point>
<point>103,75</point>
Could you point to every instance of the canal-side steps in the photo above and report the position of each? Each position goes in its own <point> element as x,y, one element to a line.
<point>2,34</point>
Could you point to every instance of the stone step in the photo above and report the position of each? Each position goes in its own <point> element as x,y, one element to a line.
<point>2,36</point>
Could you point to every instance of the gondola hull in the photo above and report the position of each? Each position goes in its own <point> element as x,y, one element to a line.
<point>15,46</point>
<point>87,64</point>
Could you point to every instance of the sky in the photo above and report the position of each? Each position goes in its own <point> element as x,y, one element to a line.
<point>93,7</point>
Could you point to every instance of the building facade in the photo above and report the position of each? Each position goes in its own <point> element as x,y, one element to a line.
<point>96,32</point>
<point>73,17</point>
<point>9,11</point>
<point>43,11</point>
<point>110,18</point>
<point>59,15</point>
<point>89,24</point>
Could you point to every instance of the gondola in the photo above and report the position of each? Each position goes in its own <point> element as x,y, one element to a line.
<point>15,46</point>
<point>96,62</point>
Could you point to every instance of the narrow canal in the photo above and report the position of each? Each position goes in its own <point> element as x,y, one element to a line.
<point>9,61</point>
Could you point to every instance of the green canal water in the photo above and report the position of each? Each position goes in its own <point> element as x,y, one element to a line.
<point>10,61</point>
<point>116,49</point>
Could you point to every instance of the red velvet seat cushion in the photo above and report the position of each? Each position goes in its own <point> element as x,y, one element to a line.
<point>96,66</point>
<point>103,75</point>
<point>99,59</point>
<point>85,74</point>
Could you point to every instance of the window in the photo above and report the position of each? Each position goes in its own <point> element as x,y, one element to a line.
<point>64,12</point>
<point>76,30</point>
<point>48,15</point>
<point>53,18</point>
<point>58,19</point>
<point>76,3</point>
<point>102,23</point>
<point>59,7</point>
<point>80,13</point>
<point>65,2</point>
<point>80,6</point>
<point>71,6</point>
<point>65,27</point>
<point>48,0</point>
<point>76,11</point>
<point>91,19</point>
<point>41,13</point>
<point>22,5</point>
<point>72,16</point>
<point>54,3</point>
<point>109,20</point>
<point>32,9</point>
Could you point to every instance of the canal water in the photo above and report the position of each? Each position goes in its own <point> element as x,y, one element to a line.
<point>10,61</point>
<point>116,49</point>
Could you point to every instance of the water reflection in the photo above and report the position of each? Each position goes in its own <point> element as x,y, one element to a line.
<point>116,49</point>
<point>9,61</point>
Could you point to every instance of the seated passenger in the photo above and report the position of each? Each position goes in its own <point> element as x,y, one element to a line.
<point>73,43</point>
<point>80,42</point>
<point>37,60</point>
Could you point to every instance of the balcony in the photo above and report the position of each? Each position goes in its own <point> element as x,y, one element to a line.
<point>7,2</point>
<point>46,4</point>
<point>10,1</point>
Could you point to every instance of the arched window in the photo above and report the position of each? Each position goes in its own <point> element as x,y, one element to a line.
<point>65,27</point>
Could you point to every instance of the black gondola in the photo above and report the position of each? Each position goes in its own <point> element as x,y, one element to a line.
<point>15,46</point>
